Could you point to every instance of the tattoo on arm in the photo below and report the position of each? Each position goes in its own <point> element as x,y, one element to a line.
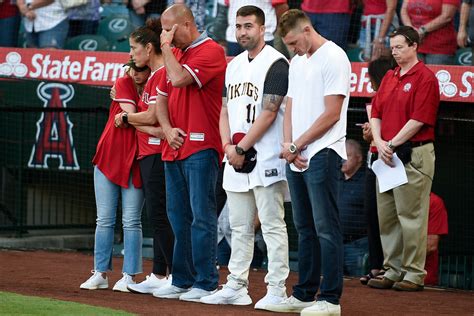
<point>272,102</point>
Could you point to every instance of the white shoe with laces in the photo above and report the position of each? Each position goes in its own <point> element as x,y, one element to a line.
<point>95,282</point>
<point>269,299</point>
<point>151,284</point>
<point>322,308</point>
<point>195,295</point>
<point>169,291</point>
<point>122,284</point>
<point>289,305</point>
<point>228,296</point>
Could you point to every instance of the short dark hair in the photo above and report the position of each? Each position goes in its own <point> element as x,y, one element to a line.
<point>378,68</point>
<point>248,10</point>
<point>290,20</point>
<point>410,34</point>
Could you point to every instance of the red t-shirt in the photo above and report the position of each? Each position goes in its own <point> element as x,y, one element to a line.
<point>374,7</point>
<point>325,6</point>
<point>196,108</point>
<point>147,144</point>
<point>415,95</point>
<point>117,148</point>
<point>437,225</point>
<point>7,10</point>
<point>441,41</point>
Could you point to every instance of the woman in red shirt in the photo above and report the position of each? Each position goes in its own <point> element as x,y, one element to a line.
<point>434,21</point>
<point>145,51</point>
<point>116,173</point>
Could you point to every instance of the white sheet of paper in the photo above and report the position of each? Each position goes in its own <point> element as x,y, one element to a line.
<point>389,177</point>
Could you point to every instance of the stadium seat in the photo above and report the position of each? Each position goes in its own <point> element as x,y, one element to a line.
<point>111,9</point>
<point>115,27</point>
<point>87,43</point>
<point>463,57</point>
<point>355,54</point>
<point>120,46</point>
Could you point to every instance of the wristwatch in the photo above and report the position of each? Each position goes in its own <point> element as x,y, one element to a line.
<point>423,30</point>
<point>239,150</point>
<point>293,149</point>
<point>390,145</point>
<point>125,118</point>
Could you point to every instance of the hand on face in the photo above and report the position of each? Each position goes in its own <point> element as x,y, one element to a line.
<point>167,36</point>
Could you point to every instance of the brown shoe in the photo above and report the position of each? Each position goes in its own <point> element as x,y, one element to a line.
<point>381,283</point>
<point>407,286</point>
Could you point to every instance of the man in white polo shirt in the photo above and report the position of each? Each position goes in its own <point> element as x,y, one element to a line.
<point>314,144</point>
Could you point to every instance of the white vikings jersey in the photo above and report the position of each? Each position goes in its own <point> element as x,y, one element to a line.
<point>244,83</point>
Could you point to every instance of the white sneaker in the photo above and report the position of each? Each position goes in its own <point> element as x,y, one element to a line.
<point>289,305</point>
<point>228,296</point>
<point>169,291</point>
<point>122,284</point>
<point>195,295</point>
<point>269,299</point>
<point>151,284</point>
<point>95,282</point>
<point>322,308</point>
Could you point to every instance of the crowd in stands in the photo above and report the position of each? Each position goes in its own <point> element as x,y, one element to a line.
<point>361,26</point>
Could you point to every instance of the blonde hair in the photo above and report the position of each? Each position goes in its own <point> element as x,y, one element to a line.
<point>291,20</point>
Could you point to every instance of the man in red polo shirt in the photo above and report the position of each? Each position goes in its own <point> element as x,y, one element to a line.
<point>188,108</point>
<point>403,119</point>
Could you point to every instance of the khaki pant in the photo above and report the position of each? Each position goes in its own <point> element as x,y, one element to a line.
<point>243,207</point>
<point>403,219</point>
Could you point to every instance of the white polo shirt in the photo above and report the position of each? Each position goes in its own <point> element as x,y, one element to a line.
<point>326,72</point>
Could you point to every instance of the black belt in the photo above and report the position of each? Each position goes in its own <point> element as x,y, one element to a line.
<point>418,144</point>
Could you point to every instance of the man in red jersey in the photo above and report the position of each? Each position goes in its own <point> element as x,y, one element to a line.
<point>403,119</point>
<point>189,103</point>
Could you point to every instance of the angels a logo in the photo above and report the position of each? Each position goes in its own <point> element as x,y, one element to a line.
<point>54,129</point>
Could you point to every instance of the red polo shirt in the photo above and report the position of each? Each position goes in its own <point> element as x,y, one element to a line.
<point>147,144</point>
<point>117,148</point>
<point>196,108</point>
<point>325,6</point>
<point>415,95</point>
<point>437,225</point>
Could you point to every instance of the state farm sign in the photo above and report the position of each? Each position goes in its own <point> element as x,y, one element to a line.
<point>92,68</point>
<point>455,82</point>
<point>103,68</point>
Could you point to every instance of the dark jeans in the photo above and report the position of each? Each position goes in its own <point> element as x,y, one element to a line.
<point>9,31</point>
<point>373,232</point>
<point>332,26</point>
<point>316,217</point>
<point>191,205</point>
<point>153,175</point>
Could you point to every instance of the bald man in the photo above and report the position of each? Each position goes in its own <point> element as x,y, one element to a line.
<point>189,103</point>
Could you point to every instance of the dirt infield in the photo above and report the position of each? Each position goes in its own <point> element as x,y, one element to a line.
<point>58,275</point>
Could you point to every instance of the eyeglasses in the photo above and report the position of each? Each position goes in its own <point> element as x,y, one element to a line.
<point>395,33</point>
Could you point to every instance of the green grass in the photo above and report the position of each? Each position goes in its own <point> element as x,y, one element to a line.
<point>15,304</point>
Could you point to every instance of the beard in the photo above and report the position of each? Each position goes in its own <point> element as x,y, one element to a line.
<point>247,43</point>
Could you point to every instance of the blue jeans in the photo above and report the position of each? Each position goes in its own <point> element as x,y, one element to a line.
<point>437,59</point>
<point>316,217</point>
<point>332,26</point>
<point>107,197</point>
<point>191,207</point>
<point>354,256</point>
<point>9,31</point>
<point>52,38</point>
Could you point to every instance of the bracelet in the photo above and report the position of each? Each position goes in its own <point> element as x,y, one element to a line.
<point>163,44</point>
<point>380,40</point>
<point>125,118</point>
<point>225,146</point>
